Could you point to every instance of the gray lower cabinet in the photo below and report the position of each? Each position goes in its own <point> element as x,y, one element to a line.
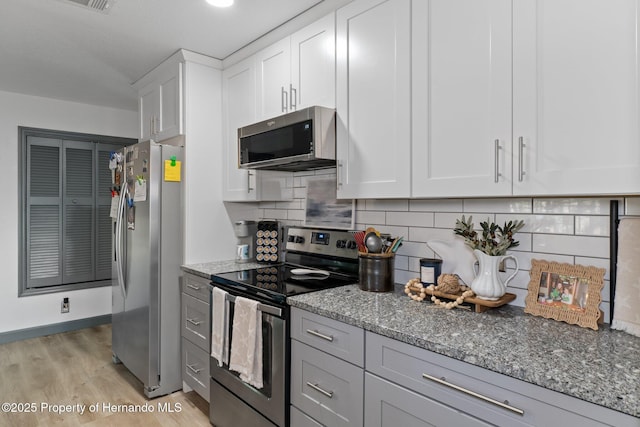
<point>196,333</point>
<point>388,404</point>
<point>459,393</point>
<point>326,390</point>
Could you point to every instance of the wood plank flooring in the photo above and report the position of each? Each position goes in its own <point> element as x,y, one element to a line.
<point>75,368</point>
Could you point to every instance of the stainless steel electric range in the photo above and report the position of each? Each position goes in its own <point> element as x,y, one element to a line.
<point>315,259</point>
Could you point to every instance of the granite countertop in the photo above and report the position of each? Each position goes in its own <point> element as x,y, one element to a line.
<point>602,367</point>
<point>208,269</point>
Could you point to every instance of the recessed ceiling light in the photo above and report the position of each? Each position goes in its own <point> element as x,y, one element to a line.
<point>220,3</point>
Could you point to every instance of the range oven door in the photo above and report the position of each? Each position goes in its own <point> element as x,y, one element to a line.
<point>230,396</point>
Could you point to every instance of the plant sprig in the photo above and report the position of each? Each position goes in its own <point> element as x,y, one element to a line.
<point>495,240</point>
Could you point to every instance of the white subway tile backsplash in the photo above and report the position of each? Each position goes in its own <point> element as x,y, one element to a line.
<point>565,230</point>
<point>632,206</point>
<point>498,205</point>
<point>370,217</point>
<point>387,205</point>
<point>592,225</point>
<point>420,234</point>
<point>597,247</point>
<point>585,206</point>
<point>436,205</point>
<point>448,220</point>
<point>419,219</point>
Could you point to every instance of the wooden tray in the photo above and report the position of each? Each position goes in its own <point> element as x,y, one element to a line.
<point>471,303</point>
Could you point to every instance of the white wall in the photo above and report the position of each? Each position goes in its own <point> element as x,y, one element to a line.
<point>568,230</point>
<point>21,110</point>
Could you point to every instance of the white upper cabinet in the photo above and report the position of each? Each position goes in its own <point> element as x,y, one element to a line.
<point>526,97</point>
<point>160,103</point>
<point>461,105</point>
<point>576,94</point>
<point>298,71</point>
<point>313,65</point>
<point>373,99</point>
<point>239,106</point>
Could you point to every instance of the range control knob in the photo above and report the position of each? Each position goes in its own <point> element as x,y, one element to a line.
<point>291,238</point>
<point>351,244</point>
<point>341,243</point>
<point>299,239</point>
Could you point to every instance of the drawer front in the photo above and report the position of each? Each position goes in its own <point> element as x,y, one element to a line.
<point>196,286</point>
<point>387,404</point>
<point>326,388</point>
<point>196,321</point>
<point>481,393</point>
<point>195,368</point>
<point>300,419</point>
<point>333,337</point>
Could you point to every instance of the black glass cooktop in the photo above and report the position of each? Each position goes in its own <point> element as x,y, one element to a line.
<point>276,282</point>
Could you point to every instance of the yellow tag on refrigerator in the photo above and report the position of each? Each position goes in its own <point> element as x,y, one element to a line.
<point>172,172</point>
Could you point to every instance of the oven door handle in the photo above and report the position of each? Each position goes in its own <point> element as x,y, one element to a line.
<point>262,307</point>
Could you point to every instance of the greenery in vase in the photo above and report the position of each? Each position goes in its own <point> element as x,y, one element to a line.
<point>495,240</point>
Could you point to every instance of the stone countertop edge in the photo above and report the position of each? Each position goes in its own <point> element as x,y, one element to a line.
<point>600,367</point>
<point>208,269</point>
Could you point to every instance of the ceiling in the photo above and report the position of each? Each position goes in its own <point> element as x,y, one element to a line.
<point>58,49</point>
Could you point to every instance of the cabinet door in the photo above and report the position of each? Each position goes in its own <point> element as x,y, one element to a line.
<point>313,65</point>
<point>461,98</point>
<point>386,404</point>
<point>373,99</point>
<point>239,104</point>
<point>147,110</point>
<point>576,94</point>
<point>169,121</point>
<point>273,79</point>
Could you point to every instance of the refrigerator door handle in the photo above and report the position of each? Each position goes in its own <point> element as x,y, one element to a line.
<point>118,236</point>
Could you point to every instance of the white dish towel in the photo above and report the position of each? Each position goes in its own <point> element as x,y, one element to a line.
<point>219,326</point>
<point>246,342</point>
<point>626,316</point>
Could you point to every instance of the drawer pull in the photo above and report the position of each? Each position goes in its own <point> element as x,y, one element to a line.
<point>194,370</point>
<point>194,287</point>
<point>193,322</point>
<point>329,394</point>
<point>474,394</point>
<point>319,335</point>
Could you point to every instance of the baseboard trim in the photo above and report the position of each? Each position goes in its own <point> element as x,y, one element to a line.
<point>56,328</point>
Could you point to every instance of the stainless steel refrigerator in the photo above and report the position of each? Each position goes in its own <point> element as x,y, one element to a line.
<point>147,253</point>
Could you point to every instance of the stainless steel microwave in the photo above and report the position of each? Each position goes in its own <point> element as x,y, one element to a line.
<point>301,140</point>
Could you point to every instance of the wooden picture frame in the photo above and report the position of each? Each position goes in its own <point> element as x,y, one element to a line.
<point>565,292</point>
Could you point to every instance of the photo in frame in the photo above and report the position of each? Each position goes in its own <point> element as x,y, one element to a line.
<point>565,292</point>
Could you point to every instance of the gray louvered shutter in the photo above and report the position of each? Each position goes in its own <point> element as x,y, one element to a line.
<point>44,209</point>
<point>78,205</point>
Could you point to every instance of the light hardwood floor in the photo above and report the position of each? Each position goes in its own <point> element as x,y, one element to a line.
<point>75,368</point>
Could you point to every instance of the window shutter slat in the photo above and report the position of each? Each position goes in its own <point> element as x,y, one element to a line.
<point>78,244</point>
<point>103,261</point>
<point>45,174</point>
<point>44,243</point>
<point>79,173</point>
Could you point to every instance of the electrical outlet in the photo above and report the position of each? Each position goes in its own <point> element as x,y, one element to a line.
<point>65,305</point>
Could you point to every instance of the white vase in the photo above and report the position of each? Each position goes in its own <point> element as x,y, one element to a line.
<point>488,284</point>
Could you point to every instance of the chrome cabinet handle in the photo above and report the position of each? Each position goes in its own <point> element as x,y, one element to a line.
<point>249,187</point>
<point>193,322</point>
<point>319,335</point>
<point>521,146</point>
<point>339,176</point>
<point>496,173</point>
<point>195,288</point>
<point>329,394</point>
<point>293,97</point>
<point>504,405</point>
<point>194,370</point>
<point>284,98</point>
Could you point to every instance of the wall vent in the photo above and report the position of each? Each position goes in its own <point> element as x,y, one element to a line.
<point>102,6</point>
